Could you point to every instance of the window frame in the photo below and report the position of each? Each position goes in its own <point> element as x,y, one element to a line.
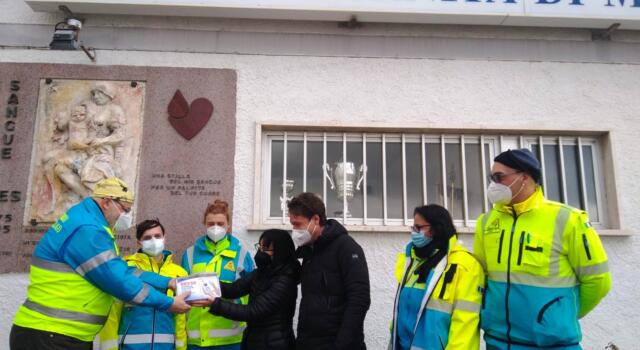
<point>498,140</point>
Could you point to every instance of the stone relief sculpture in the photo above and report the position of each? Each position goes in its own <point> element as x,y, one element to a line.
<point>87,131</point>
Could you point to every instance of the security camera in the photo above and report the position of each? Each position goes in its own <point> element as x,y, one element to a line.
<point>65,35</point>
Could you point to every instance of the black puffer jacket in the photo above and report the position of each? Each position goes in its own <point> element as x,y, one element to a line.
<point>335,292</point>
<point>272,304</point>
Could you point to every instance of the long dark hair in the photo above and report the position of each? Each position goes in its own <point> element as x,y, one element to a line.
<point>439,219</point>
<point>284,251</point>
<point>442,229</point>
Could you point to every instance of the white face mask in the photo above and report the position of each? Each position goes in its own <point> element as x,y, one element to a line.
<point>153,247</point>
<point>301,237</point>
<point>501,194</point>
<point>216,233</point>
<point>124,222</point>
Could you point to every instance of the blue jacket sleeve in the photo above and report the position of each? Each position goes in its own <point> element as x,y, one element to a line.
<point>247,265</point>
<point>91,253</point>
<point>151,278</point>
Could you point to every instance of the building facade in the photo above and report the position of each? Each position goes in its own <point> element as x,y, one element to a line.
<point>417,110</point>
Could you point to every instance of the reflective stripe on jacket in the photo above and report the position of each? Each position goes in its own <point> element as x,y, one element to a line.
<point>131,327</point>
<point>449,303</point>
<point>75,271</point>
<point>230,261</point>
<point>546,269</point>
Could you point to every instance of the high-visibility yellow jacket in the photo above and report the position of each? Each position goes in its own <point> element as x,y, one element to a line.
<point>546,268</point>
<point>230,261</point>
<point>131,327</point>
<point>76,271</point>
<point>444,311</point>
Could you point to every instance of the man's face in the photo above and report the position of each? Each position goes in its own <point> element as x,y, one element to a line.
<point>114,208</point>
<point>299,222</point>
<point>505,175</point>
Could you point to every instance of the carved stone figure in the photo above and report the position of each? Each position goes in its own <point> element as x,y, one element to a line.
<point>88,140</point>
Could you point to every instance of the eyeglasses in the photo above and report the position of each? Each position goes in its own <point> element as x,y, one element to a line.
<point>498,177</point>
<point>122,206</point>
<point>418,228</point>
<point>261,248</point>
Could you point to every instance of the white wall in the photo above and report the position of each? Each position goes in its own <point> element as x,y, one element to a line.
<point>425,92</point>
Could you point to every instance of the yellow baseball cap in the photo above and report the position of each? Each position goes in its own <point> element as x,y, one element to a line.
<point>113,188</point>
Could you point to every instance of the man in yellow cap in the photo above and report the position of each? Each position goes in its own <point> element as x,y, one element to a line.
<point>76,271</point>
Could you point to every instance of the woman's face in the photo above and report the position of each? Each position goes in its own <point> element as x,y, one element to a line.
<point>216,220</point>
<point>421,225</point>
<point>155,232</point>
<point>266,248</point>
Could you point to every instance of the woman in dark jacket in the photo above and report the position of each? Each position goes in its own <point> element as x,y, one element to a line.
<point>272,289</point>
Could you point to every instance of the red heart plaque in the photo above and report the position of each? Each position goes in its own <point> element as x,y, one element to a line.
<point>187,119</point>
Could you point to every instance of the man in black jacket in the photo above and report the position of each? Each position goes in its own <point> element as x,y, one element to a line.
<point>335,279</point>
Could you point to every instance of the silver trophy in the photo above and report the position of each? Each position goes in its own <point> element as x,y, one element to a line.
<point>288,191</point>
<point>342,178</point>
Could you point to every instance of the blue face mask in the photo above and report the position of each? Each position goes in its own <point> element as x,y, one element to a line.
<point>419,239</point>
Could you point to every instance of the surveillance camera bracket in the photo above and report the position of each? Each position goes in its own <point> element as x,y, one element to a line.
<point>604,34</point>
<point>69,15</point>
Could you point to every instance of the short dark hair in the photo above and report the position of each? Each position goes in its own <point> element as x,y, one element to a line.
<point>439,219</point>
<point>147,225</point>
<point>308,204</point>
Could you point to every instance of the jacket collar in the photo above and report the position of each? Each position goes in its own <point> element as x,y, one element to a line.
<point>534,201</point>
<point>148,263</point>
<point>331,230</point>
<point>92,208</point>
<point>205,244</point>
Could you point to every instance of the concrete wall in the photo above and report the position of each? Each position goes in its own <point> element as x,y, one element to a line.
<point>439,76</point>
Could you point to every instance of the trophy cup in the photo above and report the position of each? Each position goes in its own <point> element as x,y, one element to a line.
<point>288,191</point>
<point>342,178</point>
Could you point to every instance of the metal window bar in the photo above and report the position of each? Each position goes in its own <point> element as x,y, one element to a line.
<point>561,140</point>
<point>563,176</point>
<point>304,162</point>
<point>484,174</point>
<point>364,181</point>
<point>284,179</point>
<point>384,179</point>
<point>542,167</point>
<point>324,164</point>
<point>444,172</point>
<point>344,179</point>
<point>594,156</point>
<point>465,206</point>
<point>424,170</point>
<point>583,185</point>
<point>521,141</point>
<point>404,180</point>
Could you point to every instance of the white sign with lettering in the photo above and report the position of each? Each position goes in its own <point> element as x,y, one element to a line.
<point>546,13</point>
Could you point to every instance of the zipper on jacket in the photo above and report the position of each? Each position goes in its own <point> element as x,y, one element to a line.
<point>586,245</point>
<point>153,322</point>
<point>506,298</point>
<point>126,331</point>
<point>500,247</point>
<point>395,302</point>
<point>520,249</point>
<point>545,307</point>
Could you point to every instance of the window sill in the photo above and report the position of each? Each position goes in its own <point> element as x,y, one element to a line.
<point>403,229</point>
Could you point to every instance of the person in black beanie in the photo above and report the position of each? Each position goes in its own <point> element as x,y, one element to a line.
<point>546,266</point>
<point>440,286</point>
<point>272,290</point>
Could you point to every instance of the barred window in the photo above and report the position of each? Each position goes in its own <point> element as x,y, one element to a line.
<point>386,175</point>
